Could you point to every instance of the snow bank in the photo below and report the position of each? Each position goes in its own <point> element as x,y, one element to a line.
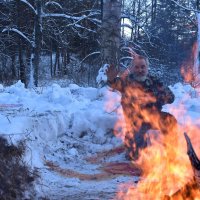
<point>186,105</point>
<point>52,111</point>
<point>67,124</point>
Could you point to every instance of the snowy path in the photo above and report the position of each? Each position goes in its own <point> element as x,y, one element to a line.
<point>76,178</point>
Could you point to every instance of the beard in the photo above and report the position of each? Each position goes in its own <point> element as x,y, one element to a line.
<point>140,78</point>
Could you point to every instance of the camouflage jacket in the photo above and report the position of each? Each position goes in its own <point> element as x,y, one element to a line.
<point>150,93</point>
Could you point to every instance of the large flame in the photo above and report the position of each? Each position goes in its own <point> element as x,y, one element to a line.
<point>165,164</point>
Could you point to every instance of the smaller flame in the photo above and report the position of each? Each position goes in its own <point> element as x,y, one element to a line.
<point>188,70</point>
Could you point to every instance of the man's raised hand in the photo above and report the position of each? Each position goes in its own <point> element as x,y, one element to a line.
<point>111,72</point>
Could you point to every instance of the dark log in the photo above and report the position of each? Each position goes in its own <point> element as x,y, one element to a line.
<point>191,153</point>
<point>193,159</point>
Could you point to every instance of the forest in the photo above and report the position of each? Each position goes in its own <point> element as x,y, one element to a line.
<point>65,39</point>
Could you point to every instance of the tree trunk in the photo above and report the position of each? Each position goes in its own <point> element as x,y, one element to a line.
<point>153,10</point>
<point>56,61</point>
<point>138,15</point>
<point>111,32</point>
<point>64,61</point>
<point>123,30</point>
<point>102,10</point>
<point>29,63</point>
<point>59,66</point>
<point>22,68</point>
<point>51,60</point>
<point>132,30</point>
<point>38,38</point>
<point>13,66</point>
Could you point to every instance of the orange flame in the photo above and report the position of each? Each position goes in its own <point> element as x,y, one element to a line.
<point>187,69</point>
<point>165,164</point>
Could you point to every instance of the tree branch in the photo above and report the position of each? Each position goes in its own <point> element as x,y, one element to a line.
<point>19,33</point>
<point>30,6</point>
<point>185,8</point>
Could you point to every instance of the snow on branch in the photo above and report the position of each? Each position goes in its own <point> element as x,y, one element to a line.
<point>183,7</point>
<point>61,15</point>
<point>95,21</point>
<point>82,27</point>
<point>126,58</point>
<point>19,33</point>
<point>86,11</point>
<point>69,16</point>
<point>29,5</point>
<point>91,54</point>
<point>54,4</point>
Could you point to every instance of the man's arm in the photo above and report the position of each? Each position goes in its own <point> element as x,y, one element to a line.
<point>164,94</point>
<point>113,81</point>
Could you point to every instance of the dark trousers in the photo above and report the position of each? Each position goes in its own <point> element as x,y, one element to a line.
<point>136,138</point>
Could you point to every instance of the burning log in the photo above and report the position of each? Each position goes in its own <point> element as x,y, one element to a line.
<point>193,159</point>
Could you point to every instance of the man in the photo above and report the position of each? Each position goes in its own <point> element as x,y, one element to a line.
<point>142,99</point>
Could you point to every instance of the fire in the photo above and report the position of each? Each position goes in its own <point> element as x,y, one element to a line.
<point>188,70</point>
<point>165,164</point>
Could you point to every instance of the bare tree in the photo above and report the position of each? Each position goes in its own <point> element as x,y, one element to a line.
<point>111,32</point>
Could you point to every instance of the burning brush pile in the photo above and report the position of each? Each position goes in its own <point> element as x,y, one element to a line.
<point>170,168</point>
<point>166,177</point>
<point>169,164</point>
<point>167,171</point>
<point>15,176</point>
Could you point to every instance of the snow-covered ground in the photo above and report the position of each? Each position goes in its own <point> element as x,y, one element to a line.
<point>65,126</point>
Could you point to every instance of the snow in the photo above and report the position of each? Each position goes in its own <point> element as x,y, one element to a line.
<point>29,5</point>
<point>102,77</point>
<point>20,33</point>
<point>54,4</point>
<point>65,125</point>
<point>187,100</point>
